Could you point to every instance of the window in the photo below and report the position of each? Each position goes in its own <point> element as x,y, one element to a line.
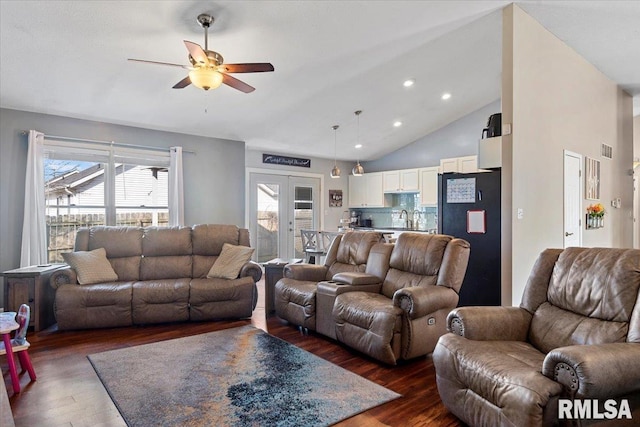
<point>86,186</point>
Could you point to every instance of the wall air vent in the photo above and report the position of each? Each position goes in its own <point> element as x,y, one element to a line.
<point>607,151</point>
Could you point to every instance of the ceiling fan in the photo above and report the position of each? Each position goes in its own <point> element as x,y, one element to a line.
<point>207,70</point>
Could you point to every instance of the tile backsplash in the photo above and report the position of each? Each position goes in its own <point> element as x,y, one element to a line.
<point>424,218</point>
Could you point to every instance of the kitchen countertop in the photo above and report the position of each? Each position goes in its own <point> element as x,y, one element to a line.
<point>394,229</point>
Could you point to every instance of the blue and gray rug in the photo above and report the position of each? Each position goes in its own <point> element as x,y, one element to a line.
<point>234,377</point>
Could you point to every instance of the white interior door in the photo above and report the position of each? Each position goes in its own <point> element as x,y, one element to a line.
<point>280,206</point>
<point>572,199</point>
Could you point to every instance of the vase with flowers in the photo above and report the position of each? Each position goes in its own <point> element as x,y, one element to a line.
<point>595,216</point>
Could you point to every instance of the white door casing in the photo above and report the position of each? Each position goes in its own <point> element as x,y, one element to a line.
<point>572,199</point>
<point>276,214</point>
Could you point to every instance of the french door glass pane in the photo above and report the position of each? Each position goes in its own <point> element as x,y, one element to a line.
<point>302,215</point>
<point>268,221</point>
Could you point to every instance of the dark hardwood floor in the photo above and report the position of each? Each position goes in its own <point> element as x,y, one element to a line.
<point>68,392</point>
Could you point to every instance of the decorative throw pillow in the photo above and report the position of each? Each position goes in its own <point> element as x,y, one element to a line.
<point>91,267</point>
<point>230,261</point>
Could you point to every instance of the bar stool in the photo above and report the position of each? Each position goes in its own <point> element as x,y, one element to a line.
<point>18,345</point>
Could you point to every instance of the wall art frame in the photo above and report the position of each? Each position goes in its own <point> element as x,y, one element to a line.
<point>591,179</point>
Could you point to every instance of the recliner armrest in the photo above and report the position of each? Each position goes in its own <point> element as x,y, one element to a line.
<point>490,323</point>
<point>310,272</point>
<point>594,371</point>
<point>356,278</point>
<point>420,301</point>
<point>64,276</point>
<point>251,269</point>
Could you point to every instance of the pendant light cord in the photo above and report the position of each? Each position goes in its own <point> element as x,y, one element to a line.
<point>335,145</point>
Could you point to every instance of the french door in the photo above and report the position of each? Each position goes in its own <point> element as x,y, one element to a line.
<point>279,207</point>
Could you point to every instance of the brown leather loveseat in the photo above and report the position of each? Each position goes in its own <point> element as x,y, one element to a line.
<point>161,277</point>
<point>405,315</point>
<point>575,336</point>
<point>295,294</point>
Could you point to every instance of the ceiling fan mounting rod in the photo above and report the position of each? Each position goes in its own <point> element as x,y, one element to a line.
<point>205,20</point>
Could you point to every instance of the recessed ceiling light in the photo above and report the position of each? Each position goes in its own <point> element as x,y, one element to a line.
<point>408,83</point>
<point>446,96</point>
<point>358,146</point>
<point>397,123</point>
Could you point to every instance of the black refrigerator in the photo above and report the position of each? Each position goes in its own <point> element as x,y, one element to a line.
<point>469,208</point>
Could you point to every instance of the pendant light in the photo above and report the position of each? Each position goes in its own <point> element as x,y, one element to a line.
<point>335,172</point>
<point>358,170</point>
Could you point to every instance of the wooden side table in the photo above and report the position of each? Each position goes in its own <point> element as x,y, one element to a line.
<point>274,271</point>
<point>30,285</point>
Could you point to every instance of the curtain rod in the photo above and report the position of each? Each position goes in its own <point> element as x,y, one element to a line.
<point>95,141</point>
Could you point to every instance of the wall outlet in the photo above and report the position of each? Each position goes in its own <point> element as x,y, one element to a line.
<point>520,213</point>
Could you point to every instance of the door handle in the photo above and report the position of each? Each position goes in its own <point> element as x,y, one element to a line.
<point>567,234</point>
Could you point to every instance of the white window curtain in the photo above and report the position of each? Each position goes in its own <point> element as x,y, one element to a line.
<point>34,228</point>
<point>176,193</point>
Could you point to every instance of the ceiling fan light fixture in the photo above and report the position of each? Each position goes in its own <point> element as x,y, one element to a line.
<point>205,78</point>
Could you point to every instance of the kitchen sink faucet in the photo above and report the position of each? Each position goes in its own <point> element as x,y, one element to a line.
<point>406,217</point>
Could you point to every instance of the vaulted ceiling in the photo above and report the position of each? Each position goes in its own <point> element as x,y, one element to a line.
<point>331,58</point>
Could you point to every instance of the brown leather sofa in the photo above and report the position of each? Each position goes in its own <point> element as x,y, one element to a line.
<point>404,317</point>
<point>161,278</point>
<point>295,293</point>
<point>576,335</point>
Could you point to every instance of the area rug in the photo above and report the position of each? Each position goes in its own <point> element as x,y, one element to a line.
<point>234,377</point>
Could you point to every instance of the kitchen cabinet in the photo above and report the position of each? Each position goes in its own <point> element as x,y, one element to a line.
<point>466,164</point>
<point>490,153</point>
<point>429,186</point>
<point>401,181</point>
<point>366,191</point>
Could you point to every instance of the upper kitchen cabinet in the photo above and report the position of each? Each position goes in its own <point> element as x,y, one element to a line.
<point>429,186</point>
<point>466,164</point>
<point>366,191</point>
<point>401,181</point>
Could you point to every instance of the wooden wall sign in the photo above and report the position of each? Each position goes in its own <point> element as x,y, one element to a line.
<point>286,161</point>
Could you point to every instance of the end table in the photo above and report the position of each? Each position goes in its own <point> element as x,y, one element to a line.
<point>30,285</point>
<point>274,271</point>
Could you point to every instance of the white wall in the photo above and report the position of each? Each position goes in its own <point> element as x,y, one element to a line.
<point>559,101</point>
<point>636,191</point>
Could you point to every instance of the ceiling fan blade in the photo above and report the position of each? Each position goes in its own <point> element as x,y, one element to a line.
<point>258,67</point>
<point>237,84</point>
<point>158,63</point>
<point>196,52</point>
<point>182,83</point>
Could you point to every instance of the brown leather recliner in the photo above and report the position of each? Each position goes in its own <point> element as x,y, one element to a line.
<point>407,316</point>
<point>295,294</point>
<point>576,335</point>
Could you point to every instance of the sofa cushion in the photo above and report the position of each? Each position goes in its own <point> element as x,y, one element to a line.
<point>91,266</point>
<point>591,297</point>
<point>158,301</point>
<point>117,241</point>
<point>230,261</point>
<point>208,239</point>
<point>494,382</point>
<point>166,241</point>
